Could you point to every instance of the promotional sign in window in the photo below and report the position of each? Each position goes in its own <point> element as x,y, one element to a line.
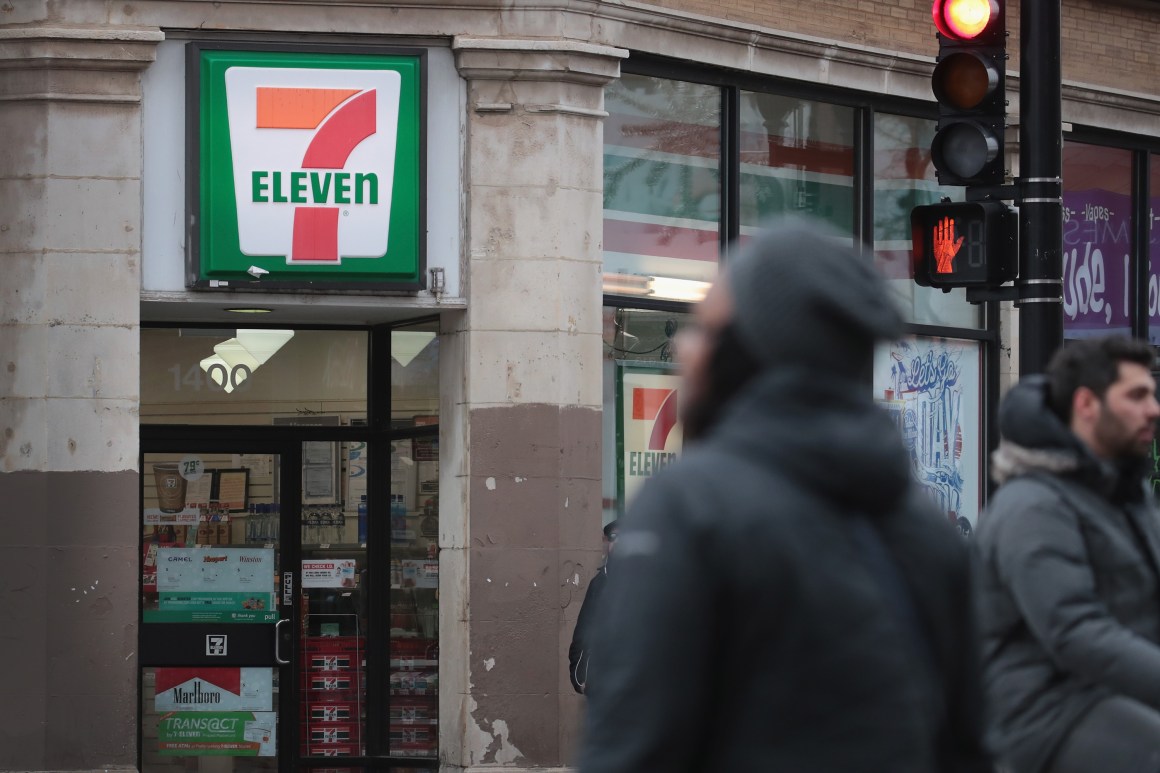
<point>931,387</point>
<point>335,573</point>
<point>217,733</point>
<point>214,585</point>
<point>649,433</point>
<point>308,169</point>
<point>1097,240</point>
<point>214,689</point>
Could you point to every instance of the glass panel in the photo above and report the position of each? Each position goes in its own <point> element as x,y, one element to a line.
<point>796,156</point>
<point>250,376</point>
<point>639,379</point>
<point>334,602</point>
<point>904,178</point>
<point>662,187</point>
<point>414,614</point>
<point>196,719</point>
<point>933,387</point>
<point>415,375</point>
<point>210,555</point>
<point>210,511</point>
<point>1154,249</point>
<point>1097,240</point>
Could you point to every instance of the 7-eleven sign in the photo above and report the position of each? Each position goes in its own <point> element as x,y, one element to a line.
<point>650,433</point>
<point>309,168</point>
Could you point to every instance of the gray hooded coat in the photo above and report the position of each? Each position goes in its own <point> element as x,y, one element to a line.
<point>748,624</point>
<point>1069,612</point>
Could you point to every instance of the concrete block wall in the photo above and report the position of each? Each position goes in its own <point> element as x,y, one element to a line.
<point>70,224</point>
<point>1110,44</point>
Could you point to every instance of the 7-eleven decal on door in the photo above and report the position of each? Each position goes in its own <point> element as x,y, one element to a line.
<point>318,174</point>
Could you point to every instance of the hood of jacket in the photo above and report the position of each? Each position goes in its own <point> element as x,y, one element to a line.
<point>824,433</point>
<point>1034,439</point>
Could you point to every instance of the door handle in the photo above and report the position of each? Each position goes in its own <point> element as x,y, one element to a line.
<point>278,643</point>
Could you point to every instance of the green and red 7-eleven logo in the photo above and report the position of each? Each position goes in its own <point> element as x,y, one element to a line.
<point>321,177</point>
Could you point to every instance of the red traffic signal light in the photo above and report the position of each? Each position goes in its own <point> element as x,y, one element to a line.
<point>964,244</point>
<point>964,19</point>
<point>968,83</point>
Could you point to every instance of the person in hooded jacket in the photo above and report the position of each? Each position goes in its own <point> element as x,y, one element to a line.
<point>1068,551</point>
<point>781,597</point>
<point>578,650</point>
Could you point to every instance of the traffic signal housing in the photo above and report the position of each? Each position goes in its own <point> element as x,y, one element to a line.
<point>964,244</point>
<point>968,83</point>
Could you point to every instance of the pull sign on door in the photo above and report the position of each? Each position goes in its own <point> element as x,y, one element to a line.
<point>215,644</point>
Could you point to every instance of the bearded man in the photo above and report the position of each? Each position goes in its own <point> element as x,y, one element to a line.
<point>1069,552</point>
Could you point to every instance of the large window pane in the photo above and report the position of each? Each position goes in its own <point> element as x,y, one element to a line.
<point>662,190</point>
<point>933,388</point>
<point>796,156</point>
<point>904,178</point>
<point>641,433</point>
<point>252,376</point>
<point>1097,240</point>
<point>415,375</point>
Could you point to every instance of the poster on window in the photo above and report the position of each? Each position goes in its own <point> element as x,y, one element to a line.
<point>217,733</point>
<point>931,387</point>
<point>1097,243</point>
<point>214,585</point>
<point>214,689</point>
<point>649,431</point>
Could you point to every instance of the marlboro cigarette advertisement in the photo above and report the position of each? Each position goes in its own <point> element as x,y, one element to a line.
<point>214,689</point>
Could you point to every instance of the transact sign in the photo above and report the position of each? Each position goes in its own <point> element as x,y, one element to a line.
<point>308,170</point>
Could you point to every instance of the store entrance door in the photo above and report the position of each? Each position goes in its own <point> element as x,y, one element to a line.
<point>217,610</point>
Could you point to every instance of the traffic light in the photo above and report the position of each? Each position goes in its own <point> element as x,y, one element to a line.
<point>968,82</point>
<point>964,244</point>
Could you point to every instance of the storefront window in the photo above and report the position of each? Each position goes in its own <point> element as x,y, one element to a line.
<point>252,376</point>
<point>796,156</point>
<point>932,388</point>
<point>415,375</point>
<point>1097,240</point>
<point>1154,249</point>
<point>904,178</point>
<point>662,187</point>
<point>642,432</point>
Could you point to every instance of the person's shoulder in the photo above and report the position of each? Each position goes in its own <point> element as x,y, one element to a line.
<point>1021,500</point>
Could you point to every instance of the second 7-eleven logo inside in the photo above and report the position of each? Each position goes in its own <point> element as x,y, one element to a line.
<point>659,406</point>
<point>313,161</point>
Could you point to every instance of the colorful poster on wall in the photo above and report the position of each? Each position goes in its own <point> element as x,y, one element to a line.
<point>217,733</point>
<point>648,429</point>
<point>214,585</point>
<point>214,689</point>
<point>932,388</point>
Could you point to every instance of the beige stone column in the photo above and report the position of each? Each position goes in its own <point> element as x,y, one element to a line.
<point>70,225</point>
<point>530,397</point>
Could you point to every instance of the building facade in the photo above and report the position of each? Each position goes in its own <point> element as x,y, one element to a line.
<point>331,333</point>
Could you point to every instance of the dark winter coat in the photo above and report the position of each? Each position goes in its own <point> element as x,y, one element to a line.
<point>743,628</point>
<point>1069,611</point>
<point>580,648</point>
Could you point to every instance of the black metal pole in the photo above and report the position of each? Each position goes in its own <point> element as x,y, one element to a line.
<point>1040,185</point>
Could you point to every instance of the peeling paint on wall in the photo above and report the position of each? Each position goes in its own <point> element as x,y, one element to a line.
<point>489,745</point>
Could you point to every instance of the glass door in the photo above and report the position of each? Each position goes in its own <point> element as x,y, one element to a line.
<point>333,621</point>
<point>216,612</point>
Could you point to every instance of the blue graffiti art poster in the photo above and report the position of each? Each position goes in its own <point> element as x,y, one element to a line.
<point>931,387</point>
